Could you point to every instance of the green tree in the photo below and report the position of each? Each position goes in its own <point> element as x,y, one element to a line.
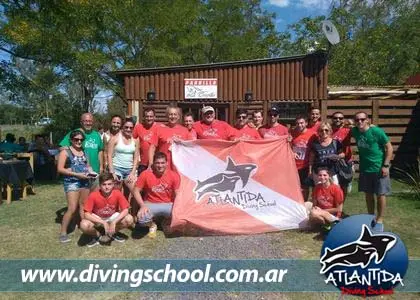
<point>379,41</point>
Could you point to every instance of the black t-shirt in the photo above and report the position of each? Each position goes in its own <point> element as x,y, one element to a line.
<point>322,155</point>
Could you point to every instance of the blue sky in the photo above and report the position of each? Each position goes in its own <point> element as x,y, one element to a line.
<point>290,11</point>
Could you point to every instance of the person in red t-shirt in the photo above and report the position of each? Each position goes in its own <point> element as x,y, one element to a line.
<point>106,212</point>
<point>274,129</point>
<point>166,134</point>
<point>145,132</point>
<point>301,146</point>
<point>243,130</point>
<point>211,129</point>
<point>159,186</point>
<point>327,200</point>
<point>188,123</point>
<point>314,119</point>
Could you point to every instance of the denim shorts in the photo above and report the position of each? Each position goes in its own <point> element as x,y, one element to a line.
<point>156,210</point>
<point>74,186</point>
<point>122,173</point>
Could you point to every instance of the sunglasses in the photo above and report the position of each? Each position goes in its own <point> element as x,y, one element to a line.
<point>360,120</point>
<point>128,127</point>
<point>78,140</point>
<point>338,118</point>
<point>242,117</point>
<point>324,130</point>
<point>273,115</point>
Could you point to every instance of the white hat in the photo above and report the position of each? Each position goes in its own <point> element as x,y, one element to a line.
<point>206,109</point>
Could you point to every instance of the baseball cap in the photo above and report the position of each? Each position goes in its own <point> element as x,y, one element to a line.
<point>206,109</point>
<point>274,110</point>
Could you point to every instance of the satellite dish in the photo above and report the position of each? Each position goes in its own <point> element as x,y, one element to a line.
<point>330,32</point>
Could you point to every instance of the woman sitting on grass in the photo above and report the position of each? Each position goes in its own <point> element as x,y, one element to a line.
<point>327,200</point>
<point>73,164</point>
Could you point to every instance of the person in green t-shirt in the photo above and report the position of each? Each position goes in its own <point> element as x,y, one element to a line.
<point>92,145</point>
<point>375,153</point>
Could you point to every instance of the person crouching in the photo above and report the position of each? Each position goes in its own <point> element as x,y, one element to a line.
<point>159,186</point>
<point>327,201</point>
<point>106,213</point>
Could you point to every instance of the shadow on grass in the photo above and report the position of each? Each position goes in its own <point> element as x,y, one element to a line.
<point>73,223</point>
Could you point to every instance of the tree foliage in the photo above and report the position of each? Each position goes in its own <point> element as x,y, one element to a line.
<point>81,41</point>
<point>379,41</point>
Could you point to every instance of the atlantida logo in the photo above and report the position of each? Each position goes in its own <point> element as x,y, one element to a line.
<point>359,261</point>
<point>226,180</point>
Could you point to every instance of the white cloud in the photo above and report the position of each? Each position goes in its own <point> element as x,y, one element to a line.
<point>321,5</point>
<point>279,3</point>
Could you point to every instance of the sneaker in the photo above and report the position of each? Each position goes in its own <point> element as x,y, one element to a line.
<point>152,231</point>
<point>64,238</point>
<point>93,242</point>
<point>378,227</point>
<point>118,238</point>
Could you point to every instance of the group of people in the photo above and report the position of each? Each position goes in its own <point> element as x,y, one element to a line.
<point>132,163</point>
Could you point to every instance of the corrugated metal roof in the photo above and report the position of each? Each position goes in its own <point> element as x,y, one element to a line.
<point>215,65</point>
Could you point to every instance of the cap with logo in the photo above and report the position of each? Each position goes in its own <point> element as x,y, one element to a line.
<point>207,109</point>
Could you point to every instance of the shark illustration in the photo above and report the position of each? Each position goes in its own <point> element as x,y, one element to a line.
<point>241,171</point>
<point>225,184</point>
<point>366,247</point>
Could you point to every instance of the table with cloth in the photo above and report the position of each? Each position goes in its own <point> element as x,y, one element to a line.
<point>15,174</point>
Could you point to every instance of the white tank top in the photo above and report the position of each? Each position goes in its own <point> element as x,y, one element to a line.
<point>123,154</point>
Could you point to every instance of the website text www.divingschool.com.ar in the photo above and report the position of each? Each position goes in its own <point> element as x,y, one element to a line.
<point>94,273</point>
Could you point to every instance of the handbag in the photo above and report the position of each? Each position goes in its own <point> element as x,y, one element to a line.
<point>344,170</point>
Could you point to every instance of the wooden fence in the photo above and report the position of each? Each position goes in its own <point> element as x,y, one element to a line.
<point>400,118</point>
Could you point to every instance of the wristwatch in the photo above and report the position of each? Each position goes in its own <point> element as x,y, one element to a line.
<point>386,166</point>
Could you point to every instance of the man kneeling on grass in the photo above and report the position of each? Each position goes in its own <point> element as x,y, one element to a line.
<point>106,212</point>
<point>159,186</point>
<point>327,201</point>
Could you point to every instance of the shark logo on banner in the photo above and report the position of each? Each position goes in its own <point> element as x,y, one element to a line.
<point>226,180</point>
<point>237,187</point>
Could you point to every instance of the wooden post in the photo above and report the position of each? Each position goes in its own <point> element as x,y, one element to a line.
<point>324,109</point>
<point>375,111</point>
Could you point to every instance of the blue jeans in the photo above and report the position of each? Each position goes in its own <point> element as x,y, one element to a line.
<point>156,210</point>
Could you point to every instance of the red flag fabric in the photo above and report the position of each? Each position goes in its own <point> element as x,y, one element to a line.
<point>240,187</point>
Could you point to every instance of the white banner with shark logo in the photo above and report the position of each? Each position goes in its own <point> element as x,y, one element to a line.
<point>237,187</point>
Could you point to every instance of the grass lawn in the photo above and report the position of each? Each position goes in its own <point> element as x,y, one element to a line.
<point>28,229</point>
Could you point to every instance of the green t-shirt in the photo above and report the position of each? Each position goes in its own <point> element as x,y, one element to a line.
<point>371,145</point>
<point>92,145</point>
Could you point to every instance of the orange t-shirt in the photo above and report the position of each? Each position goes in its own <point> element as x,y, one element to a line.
<point>268,132</point>
<point>105,207</point>
<point>145,136</point>
<point>158,189</point>
<point>329,197</point>
<point>164,136</point>
<point>247,133</point>
<point>301,145</point>
<point>217,130</point>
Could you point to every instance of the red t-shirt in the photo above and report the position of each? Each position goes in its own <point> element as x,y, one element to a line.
<point>217,130</point>
<point>343,135</point>
<point>105,207</point>
<point>329,197</point>
<point>314,127</point>
<point>145,136</point>
<point>158,189</point>
<point>164,136</point>
<point>301,145</point>
<point>247,133</point>
<point>268,132</point>
<point>192,135</point>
